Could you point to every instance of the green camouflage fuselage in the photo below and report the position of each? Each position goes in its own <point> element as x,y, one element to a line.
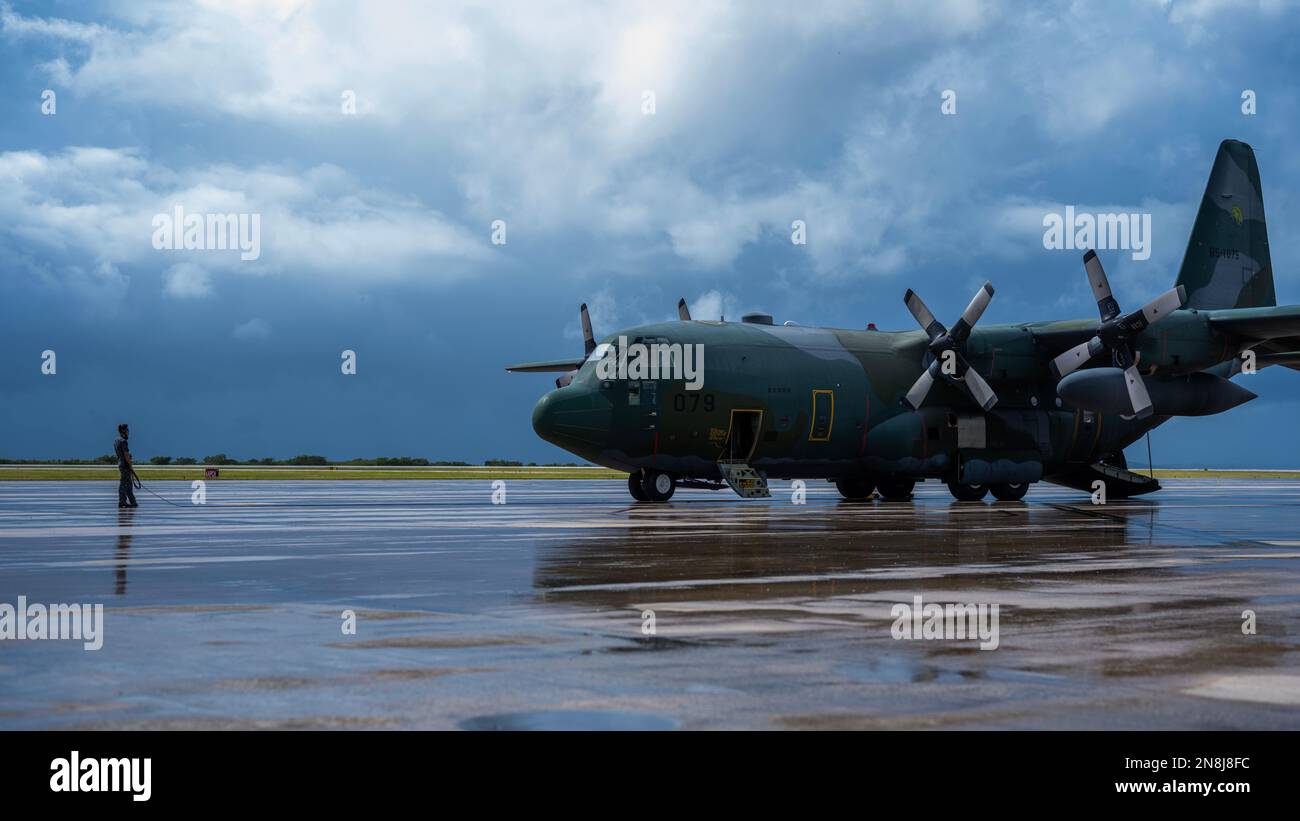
<point>804,402</point>
<point>830,402</point>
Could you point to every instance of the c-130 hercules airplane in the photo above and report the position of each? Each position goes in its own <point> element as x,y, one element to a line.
<point>981,409</point>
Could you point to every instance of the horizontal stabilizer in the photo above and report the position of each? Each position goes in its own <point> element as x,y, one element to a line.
<point>1288,358</point>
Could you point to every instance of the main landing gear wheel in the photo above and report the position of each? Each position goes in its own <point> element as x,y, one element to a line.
<point>968,493</point>
<point>1009,491</point>
<point>854,488</point>
<point>658,486</point>
<point>634,486</point>
<point>896,489</point>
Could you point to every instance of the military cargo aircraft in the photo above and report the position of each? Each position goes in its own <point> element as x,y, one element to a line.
<point>989,409</point>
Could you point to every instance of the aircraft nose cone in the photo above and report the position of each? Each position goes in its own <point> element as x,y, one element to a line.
<point>543,418</point>
<point>575,418</point>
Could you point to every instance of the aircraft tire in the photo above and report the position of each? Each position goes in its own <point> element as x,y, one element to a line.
<point>634,487</point>
<point>896,488</point>
<point>967,493</point>
<point>658,486</point>
<point>1009,491</point>
<point>855,488</point>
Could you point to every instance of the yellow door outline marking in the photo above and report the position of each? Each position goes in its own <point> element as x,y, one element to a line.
<point>813,424</point>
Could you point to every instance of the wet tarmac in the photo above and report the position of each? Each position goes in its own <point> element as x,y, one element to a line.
<point>766,614</point>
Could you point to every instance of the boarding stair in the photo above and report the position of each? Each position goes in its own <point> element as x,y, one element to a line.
<point>745,480</point>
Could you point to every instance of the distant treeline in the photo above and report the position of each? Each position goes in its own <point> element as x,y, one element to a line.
<point>304,460</point>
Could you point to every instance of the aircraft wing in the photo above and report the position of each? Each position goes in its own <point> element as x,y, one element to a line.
<point>553,366</point>
<point>1059,337</point>
<point>1275,330</point>
<point>1259,323</point>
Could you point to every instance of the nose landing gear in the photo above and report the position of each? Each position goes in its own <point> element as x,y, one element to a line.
<point>651,485</point>
<point>634,487</point>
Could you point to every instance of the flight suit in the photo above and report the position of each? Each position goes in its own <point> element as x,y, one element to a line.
<point>125,492</point>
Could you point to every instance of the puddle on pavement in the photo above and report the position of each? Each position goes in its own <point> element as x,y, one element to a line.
<point>570,720</point>
<point>898,670</point>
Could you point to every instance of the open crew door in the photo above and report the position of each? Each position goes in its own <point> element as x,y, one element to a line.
<point>737,448</point>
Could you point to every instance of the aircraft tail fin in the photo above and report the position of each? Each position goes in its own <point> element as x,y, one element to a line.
<point>1227,264</point>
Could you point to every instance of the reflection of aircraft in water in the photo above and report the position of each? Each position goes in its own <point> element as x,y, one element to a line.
<point>858,550</point>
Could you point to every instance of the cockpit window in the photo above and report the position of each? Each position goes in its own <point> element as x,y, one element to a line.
<point>603,350</point>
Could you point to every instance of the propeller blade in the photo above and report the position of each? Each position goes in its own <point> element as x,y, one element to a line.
<point>1155,310</point>
<point>683,313</point>
<point>920,389</point>
<point>1165,304</point>
<point>1137,393</point>
<point>1078,356</point>
<point>979,389</point>
<point>1106,304</point>
<point>944,342</point>
<point>933,327</point>
<point>961,329</point>
<point>588,338</point>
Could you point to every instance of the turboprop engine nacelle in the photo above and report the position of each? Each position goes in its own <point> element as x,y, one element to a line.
<point>1103,390</point>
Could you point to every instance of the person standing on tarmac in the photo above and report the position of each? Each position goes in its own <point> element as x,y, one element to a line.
<point>125,470</point>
